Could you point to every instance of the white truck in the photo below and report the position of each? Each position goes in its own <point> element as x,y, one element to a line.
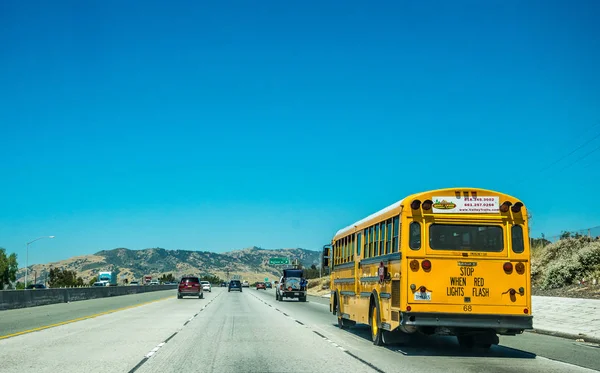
<point>108,278</point>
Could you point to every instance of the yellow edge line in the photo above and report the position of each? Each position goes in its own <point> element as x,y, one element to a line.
<point>81,318</point>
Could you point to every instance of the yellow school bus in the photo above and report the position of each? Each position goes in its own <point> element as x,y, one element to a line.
<point>450,261</point>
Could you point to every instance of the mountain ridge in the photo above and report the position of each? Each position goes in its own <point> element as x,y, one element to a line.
<point>250,263</point>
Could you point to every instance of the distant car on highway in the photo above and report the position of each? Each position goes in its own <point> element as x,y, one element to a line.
<point>235,285</point>
<point>245,284</point>
<point>99,283</point>
<point>154,282</point>
<point>269,285</point>
<point>261,285</point>
<point>134,283</point>
<point>206,286</point>
<point>190,287</point>
<point>36,286</point>
<point>223,284</point>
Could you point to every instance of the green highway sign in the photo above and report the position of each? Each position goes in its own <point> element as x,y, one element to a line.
<point>279,261</point>
<point>266,279</point>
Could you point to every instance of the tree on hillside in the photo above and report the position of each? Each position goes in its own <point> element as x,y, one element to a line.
<point>167,278</point>
<point>63,278</point>
<point>94,279</point>
<point>8,268</point>
<point>212,279</point>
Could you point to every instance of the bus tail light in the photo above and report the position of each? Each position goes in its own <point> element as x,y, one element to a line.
<point>517,207</point>
<point>505,206</point>
<point>427,204</point>
<point>422,289</point>
<point>408,308</point>
<point>415,204</point>
<point>525,311</point>
<point>520,268</point>
<point>414,265</point>
<point>508,267</point>
<point>512,292</point>
<point>426,265</point>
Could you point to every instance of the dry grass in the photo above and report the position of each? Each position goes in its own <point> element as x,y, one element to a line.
<point>315,286</point>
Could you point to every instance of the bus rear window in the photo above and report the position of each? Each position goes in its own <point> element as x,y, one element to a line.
<point>455,237</point>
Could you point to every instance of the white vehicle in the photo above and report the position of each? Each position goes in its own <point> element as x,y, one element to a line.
<point>206,286</point>
<point>245,284</point>
<point>154,282</point>
<point>109,278</point>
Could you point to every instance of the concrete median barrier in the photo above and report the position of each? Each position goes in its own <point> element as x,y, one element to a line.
<point>11,299</point>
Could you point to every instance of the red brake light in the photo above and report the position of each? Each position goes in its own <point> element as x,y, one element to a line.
<point>426,265</point>
<point>408,308</point>
<point>415,204</point>
<point>525,310</point>
<point>427,204</point>
<point>513,291</point>
<point>422,289</point>
<point>508,267</point>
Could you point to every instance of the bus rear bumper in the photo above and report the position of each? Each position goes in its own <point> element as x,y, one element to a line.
<point>502,324</point>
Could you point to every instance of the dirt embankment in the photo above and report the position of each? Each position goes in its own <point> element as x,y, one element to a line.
<point>567,268</point>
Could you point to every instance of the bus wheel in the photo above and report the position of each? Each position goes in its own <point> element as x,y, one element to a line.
<point>375,323</point>
<point>342,324</point>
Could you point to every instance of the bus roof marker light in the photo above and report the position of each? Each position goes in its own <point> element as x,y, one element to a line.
<point>427,204</point>
<point>504,207</point>
<point>516,208</point>
<point>415,204</point>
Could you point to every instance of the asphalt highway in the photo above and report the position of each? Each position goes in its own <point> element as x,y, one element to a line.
<point>248,332</point>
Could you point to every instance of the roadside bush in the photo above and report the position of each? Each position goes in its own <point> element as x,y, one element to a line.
<point>566,261</point>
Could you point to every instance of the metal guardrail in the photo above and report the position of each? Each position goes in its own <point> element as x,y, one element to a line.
<point>12,299</point>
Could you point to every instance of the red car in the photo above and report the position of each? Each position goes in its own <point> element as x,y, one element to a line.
<point>190,287</point>
<point>261,285</point>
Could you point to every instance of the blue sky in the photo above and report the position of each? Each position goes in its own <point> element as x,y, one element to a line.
<point>224,125</point>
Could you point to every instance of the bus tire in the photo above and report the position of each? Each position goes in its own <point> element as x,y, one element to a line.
<point>375,323</point>
<point>338,313</point>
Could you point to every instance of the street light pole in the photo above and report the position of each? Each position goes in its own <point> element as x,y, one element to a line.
<point>27,257</point>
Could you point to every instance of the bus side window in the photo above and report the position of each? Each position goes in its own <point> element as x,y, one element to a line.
<point>370,241</point>
<point>388,242</point>
<point>376,240</point>
<point>358,243</point>
<point>518,243</point>
<point>366,244</point>
<point>395,239</point>
<point>415,236</point>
